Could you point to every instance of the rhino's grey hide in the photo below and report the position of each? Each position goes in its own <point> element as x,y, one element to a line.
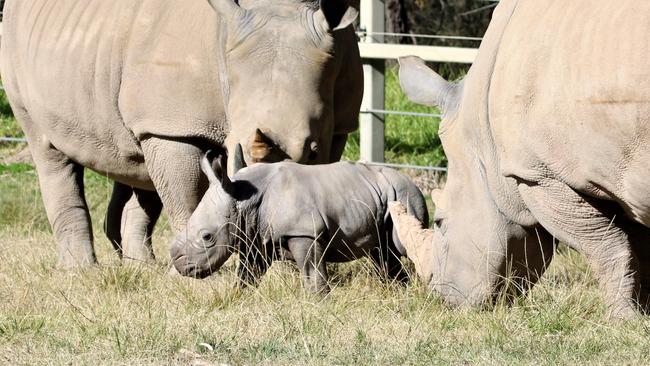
<point>315,214</point>
<point>548,136</point>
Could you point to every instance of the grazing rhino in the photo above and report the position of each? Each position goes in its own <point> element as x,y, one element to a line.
<point>139,90</point>
<point>547,136</point>
<point>314,214</point>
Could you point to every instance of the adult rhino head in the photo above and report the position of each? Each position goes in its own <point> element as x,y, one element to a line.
<point>482,241</point>
<point>290,76</point>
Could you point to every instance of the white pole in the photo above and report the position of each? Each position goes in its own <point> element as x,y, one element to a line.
<point>371,125</point>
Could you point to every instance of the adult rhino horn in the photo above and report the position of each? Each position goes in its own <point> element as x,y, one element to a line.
<point>226,8</point>
<point>417,240</point>
<point>424,86</point>
<point>261,146</point>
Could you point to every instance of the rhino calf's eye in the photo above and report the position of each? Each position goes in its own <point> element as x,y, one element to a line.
<point>206,236</point>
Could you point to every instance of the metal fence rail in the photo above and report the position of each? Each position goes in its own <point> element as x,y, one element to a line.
<point>12,139</point>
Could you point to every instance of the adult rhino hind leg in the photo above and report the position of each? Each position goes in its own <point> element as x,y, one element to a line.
<point>138,220</point>
<point>590,226</point>
<point>113,220</point>
<point>640,239</point>
<point>61,182</point>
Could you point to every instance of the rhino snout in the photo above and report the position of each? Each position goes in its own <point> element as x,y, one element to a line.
<point>183,261</point>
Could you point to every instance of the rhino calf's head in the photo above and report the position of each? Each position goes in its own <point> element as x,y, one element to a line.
<point>210,235</point>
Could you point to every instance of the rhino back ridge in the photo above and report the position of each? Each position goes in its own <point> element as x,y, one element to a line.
<point>345,203</point>
<point>575,105</point>
<point>95,77</point>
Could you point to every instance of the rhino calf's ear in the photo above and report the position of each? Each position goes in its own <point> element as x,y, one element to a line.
<point>215,169</point>
<point>337,13</point>
<point>206,168</point>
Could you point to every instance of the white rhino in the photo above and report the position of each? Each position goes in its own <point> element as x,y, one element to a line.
<point>138,90</point>
<point>547,136</point>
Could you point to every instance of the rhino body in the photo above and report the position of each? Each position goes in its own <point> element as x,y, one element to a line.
<point>315,214</point>
<point>547,136</point>
<point>139,90</point>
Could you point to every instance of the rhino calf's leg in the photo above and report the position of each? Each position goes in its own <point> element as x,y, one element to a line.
<point>253,263</point>
<point>387,258</point>
<point>309,254</point>
<point>61,182</point>
<point>589,226</point>
<point>138,220</point>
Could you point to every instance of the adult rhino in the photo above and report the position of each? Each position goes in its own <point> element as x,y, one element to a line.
<point>139,90</point>
<point>547,136</point>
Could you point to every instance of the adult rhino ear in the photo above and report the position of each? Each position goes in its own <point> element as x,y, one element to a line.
<point>227,8</point>
<point>215,170</point>
<point>338,14</point>
<point>424,86</point>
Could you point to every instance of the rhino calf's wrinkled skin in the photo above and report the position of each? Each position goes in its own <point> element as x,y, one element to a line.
<point>311,214</point>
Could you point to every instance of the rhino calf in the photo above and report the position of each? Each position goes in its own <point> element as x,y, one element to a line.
<point>313,214</point>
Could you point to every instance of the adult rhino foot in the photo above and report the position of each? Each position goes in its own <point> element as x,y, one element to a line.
<point>77,255</point>
<point>623,310</point>
<point>137,253</point>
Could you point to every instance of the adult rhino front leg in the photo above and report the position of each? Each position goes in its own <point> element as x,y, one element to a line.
<point>174,169</point>
<point>590,226</point>
<point>139,217</point>
<point>338,145</point>
<point>61,182</point>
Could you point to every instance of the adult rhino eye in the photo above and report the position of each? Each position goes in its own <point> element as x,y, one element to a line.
<point>437,221</point>
<point>313,150</point>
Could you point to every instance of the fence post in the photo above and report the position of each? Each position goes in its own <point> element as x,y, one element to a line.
<point>371,124</point>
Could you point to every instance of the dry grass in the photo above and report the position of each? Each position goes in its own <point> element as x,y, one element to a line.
<point>116,314</point>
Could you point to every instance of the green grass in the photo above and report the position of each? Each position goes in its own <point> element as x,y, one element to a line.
<point>408,140</point>
<point>8,125</point>
<point>126,315</point>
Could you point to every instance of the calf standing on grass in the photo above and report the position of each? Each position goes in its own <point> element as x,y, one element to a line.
<point>311,214</point>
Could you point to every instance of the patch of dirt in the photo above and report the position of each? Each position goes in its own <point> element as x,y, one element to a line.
<point>426,180</point>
